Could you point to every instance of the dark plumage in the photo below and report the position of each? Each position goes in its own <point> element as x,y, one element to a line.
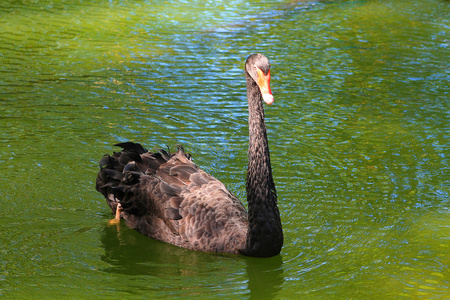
<point>167,197</point>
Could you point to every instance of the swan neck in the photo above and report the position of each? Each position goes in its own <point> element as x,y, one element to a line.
<point>265,237</point>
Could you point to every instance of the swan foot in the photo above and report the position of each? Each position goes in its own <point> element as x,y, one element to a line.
<point>116,219</point>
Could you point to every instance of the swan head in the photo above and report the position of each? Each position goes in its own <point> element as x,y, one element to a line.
<point>258,67</point>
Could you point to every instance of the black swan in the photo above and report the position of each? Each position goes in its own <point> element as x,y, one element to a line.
<point>167,197</point>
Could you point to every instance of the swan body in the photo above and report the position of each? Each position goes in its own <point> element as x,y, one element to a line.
<point>167,197</point>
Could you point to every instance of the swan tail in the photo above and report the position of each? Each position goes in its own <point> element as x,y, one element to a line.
<point>120,176</point>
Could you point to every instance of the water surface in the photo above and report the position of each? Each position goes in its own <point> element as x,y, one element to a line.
<point>359,138</point>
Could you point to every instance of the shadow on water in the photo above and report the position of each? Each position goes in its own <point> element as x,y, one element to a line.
<point>265,276</point>
<point>130,253</point>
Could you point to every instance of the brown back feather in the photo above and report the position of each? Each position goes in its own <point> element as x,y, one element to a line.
<point>167,197</point>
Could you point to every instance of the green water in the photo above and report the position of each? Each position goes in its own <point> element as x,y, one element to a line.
<point>359,138</point>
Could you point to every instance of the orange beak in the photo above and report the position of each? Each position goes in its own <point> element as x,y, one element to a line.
<point>264,86</point>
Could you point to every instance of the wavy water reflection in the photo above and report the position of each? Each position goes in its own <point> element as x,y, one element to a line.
<point>129,253</point>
